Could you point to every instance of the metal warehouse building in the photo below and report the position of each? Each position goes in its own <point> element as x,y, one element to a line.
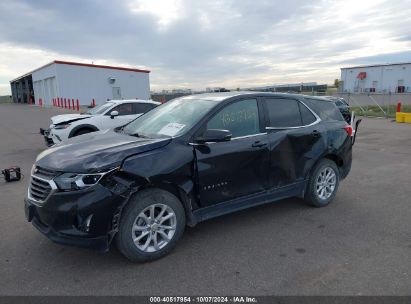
<point>382,78</point>
<point>85,82</point>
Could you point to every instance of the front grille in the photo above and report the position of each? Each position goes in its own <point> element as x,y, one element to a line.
<point>39,189</point>
<point>41,184</point>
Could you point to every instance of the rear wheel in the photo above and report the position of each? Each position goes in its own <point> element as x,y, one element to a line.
<point>323,184</point>
<point>150,226</point>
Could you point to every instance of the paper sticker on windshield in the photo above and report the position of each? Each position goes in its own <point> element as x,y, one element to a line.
<point>171,129</point>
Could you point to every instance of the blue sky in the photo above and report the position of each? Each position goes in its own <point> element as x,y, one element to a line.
<point>197,44</point>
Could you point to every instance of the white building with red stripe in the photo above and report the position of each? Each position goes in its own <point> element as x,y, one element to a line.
<point>63,83</point>
<point>379,78</point>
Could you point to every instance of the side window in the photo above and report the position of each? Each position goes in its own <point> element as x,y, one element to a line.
<point>325,110</point>
<point>306,115</point>
<point>283,113</point>
<point>123,109</point>
<point>142,107</point>
<point>241,118</point>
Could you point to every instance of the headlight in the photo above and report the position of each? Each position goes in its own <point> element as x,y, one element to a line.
<point>62,126</point>
<point>73,181</point>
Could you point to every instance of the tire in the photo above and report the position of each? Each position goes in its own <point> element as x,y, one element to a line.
<point>137,215</point>
<point>82,131</point>
<point>316,197</point>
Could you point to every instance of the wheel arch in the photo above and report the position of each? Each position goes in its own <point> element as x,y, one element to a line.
<point>81,127</point>
<point>330,156</point>
<point>185,196</point>
<point>335,158</point>
<point>184,192</point>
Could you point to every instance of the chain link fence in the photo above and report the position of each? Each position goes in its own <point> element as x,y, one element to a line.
<point>377,104</point>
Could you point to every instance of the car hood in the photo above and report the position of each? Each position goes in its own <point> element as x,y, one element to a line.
<point>58,119</point>
<point>95,152</point>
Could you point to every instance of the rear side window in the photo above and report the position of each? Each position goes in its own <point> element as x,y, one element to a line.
<point>325,110</point>
<point>283,113</point>
<point>306,116</point>
<point>143,107</point>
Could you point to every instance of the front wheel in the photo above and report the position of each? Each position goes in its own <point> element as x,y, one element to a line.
<point>151,225</point>
<point>323,184</point>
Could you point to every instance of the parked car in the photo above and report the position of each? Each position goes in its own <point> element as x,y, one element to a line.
<point>192,159</point>
<point>342,105</point>
<point>111,114</point>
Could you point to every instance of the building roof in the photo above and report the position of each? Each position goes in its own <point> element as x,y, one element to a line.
<point>83,65</point>
<point>375,65</point>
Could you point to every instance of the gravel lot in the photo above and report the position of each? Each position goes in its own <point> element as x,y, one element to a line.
<point>359,245</point>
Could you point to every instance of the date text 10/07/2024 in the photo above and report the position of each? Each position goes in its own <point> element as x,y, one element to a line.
<point>240,299</point>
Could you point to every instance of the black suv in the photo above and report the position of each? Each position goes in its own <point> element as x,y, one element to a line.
<point>189,160</point>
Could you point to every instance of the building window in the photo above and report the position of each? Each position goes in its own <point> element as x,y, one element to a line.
<point>400,87</point>
<point>374,86</point>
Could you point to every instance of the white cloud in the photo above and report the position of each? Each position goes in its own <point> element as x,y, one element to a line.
<point>164,11</point>
<point>206,42</point>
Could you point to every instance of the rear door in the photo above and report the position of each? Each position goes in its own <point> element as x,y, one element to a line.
<point>239,167</point>
<point>295,138</point>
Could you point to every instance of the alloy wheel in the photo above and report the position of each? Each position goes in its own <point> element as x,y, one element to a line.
<point>325,183</point>
<point>154,227</point>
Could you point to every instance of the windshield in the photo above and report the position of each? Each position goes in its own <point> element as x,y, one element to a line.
<point>173,118</point>
<point>100,109</point>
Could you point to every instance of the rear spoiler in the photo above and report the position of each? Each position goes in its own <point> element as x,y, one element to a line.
<point>355,130</point>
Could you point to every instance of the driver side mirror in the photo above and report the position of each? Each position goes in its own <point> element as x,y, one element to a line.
<point>214,135</point>
<point>113,114</point>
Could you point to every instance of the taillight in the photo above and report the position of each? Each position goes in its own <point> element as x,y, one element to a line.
<point>348,129</point>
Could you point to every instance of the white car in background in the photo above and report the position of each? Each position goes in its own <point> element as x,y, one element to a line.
<point>111,114</point>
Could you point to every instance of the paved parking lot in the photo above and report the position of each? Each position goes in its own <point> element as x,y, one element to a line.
<point>359,245</point>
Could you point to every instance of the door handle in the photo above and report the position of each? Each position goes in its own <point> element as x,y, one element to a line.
<point>315,133</point>
<point>258,144</point>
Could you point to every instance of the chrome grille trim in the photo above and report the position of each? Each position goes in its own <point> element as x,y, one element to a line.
<point>35,182</point>
<point>40,188</point>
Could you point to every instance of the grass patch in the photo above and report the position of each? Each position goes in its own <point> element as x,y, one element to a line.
<point>5,99</point>
<point>375,111</point>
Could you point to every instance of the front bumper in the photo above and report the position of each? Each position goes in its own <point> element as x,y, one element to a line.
<point>80,218</point>
<point>47,138</point>
<point>53,136</point>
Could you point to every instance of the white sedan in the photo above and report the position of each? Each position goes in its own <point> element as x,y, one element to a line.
<point>111,114</point>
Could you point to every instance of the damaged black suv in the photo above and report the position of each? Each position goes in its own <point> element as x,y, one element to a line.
<point>189,160</point>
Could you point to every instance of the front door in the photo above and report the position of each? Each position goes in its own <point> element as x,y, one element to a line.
<point>228,170</point>
<point>125,115</point>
